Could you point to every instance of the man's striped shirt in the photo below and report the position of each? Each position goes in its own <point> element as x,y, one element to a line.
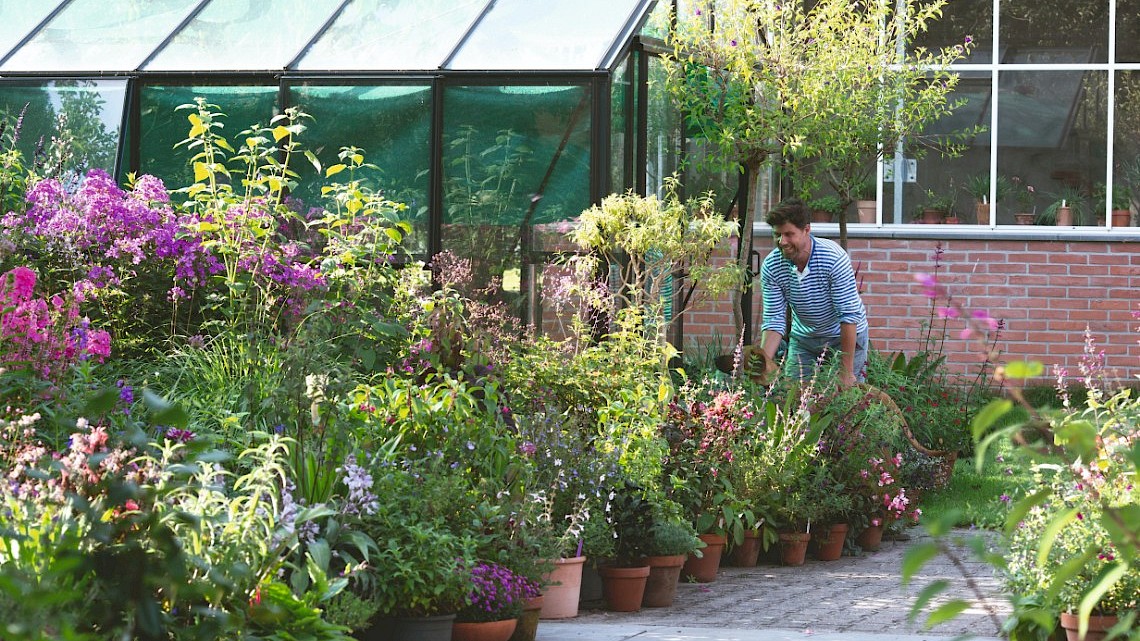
<point>822,298</point>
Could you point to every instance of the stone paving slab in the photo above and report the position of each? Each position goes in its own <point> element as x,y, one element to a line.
<point>855,598</point>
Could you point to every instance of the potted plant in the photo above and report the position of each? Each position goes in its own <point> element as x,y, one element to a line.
<point>835,506</point>
<point>1121,204</point>
<point>936,208</point>
<point>630,515</point>
<point>824,209</point>
<point>866,199</point>
<point>978,186</point>
<point>671,540</point>
<point>1023,195</point>
<point>494,602</point>
<point>1069,207</point>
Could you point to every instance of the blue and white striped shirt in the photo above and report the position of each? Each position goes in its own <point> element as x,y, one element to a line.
<point>824,297</point>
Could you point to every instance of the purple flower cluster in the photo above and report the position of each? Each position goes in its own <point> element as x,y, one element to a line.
<point>361,499</point>
<point>496,593</point>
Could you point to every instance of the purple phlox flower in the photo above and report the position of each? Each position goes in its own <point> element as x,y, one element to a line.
<point>179,435</point>
<point>1005,498</point>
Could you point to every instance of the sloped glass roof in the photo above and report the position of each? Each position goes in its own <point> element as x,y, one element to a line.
<point>19,18</point>
<point>100,35</point>
<point>257,34</point>
<point>557,35</point>
<point>396,35</point>
<point>124,36</point>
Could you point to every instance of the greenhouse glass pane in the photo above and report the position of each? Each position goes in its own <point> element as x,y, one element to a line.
<point>393,35</point>
<point>622,136</point>
<point>392,127</point>
<point>657,26</point>
<point>663,131</point>
<point>523,34</point>
<point>86,113</point>
<point>515,158</point>
<point>239,25</point>
<point>163,125</point>
<point>113,35</point>
<point>18,19</point>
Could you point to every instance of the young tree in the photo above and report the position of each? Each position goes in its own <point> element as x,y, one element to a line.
<point>826,89</point>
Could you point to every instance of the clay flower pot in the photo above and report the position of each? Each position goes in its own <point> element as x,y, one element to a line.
<point>483,630</point>
<point>831,546</point>
<point>871,538</point>
<point>748,551</point>
<point>664,574</point>
<point>560,598</point>
<point>703,569</point>
<point>623,588</point>
<point>1098,626</point>
<point>793,547</point>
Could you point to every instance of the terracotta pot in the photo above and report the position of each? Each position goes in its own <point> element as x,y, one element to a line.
<point>1121,217</point>
<point>1064,217</point>
<point>819,216</point>
<point>748,551</point>
<point>1098,626</point>
<point>982,213</point>
<point>483,630</point>
<point>871,538</point>
<point>1024,218</point>
<point>624,587</point>
<point>661,587</point>
<point>831,546</point>
<point>564,585</point>
<point>793,547</point>
<point>703,569</point>
<point>436,628</point>
<point>932,216</point>
<point>527,628</point>
<point>866,209</point>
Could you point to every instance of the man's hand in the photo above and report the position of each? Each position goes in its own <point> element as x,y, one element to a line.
<point>846,379</point>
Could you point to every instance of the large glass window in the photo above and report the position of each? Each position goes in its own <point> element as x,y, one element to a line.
<point>1128,30</point>
<point>225,35</point>
<point>391,124</point>
<point>100,35</point>
<point>73,125</point>
<point>162,125</point>
<point>1051,31</point>
<point>663,135</point>
<point>623,98</point>
<point>1052,132</point>
<point>513,157</point>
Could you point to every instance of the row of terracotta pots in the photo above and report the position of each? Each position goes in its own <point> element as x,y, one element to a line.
<point>655,584</point>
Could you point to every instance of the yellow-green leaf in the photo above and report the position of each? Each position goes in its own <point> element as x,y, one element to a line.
<point>945,612</point>
<point>279,132</point>
<point>275,184</point>
<point>206,226</point>
<point>1049,536</point>
<point>201,171</point>
<point>1024,369</point>
<point>335,169</point>
<point>916,556</point>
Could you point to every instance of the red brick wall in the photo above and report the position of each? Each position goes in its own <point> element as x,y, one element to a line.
<point>1047,292</point>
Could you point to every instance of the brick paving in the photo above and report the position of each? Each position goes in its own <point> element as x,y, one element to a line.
<point>855,597</point>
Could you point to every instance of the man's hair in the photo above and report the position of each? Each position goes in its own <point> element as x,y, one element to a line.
<point>791,211</point>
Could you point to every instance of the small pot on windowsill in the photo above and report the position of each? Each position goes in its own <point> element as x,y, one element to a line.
<point>1024,218</point>
<point>932,216</point>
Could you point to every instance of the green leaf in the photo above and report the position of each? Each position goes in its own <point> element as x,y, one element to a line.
<point>944,522</point>
<point>1049,536</point>
<point>946,612</point>
<point>1098,590</point>
<point>1079,436</point>
<point>1022,507</point>
<point>989,415</point>
<point>924,597</point>
<point>163,412</point>
<point>1024,369</point>
<point>102,402</point>
<point>916,557</point>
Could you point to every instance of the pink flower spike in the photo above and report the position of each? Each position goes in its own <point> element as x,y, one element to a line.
<point>947,312</point>
<point>982,316</point>
<point>966,334</point>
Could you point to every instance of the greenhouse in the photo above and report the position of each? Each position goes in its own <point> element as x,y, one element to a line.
<point>507,117</point>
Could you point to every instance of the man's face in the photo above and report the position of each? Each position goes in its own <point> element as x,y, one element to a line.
<point>794,243</point>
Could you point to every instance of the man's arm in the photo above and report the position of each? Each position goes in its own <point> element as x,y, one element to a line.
<point>770,342</point>
<point>847,336</point>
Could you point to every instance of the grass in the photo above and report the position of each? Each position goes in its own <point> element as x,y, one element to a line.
<point>977,494</point>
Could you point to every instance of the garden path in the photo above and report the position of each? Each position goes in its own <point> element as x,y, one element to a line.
<point>856,598</point>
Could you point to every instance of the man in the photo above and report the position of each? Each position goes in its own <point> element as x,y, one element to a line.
<point>812,277</point>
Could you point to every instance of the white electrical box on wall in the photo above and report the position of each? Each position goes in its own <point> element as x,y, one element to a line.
<point>911,170</point>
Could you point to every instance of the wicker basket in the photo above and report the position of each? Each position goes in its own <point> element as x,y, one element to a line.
<point>945,458</point>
